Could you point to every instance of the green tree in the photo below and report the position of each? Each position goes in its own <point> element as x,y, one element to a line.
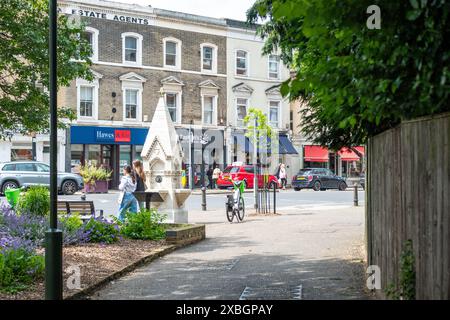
<point>24,64</point>
<point>359,81</point>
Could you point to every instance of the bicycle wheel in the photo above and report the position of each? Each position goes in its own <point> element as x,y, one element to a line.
<point>241,212</point>
<point>230,214</point>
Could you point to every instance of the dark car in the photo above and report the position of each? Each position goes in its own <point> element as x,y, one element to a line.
<point>317,179</point>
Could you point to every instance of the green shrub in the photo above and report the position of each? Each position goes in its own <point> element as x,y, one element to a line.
<point>36,201</point>
<point>71,222</point>
<point>101,230</point>
<point>18,269</point>
<point>144,225</point>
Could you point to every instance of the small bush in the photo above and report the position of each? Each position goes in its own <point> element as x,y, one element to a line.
<point>19,267</point>
<point>101,230</point>
<point>26,226</point>
<point>72,229</point>
<point>144,225</point>
<point>91,174</point>
<point>36,201</point>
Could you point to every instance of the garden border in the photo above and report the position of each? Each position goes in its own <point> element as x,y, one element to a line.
<point>84,293</point>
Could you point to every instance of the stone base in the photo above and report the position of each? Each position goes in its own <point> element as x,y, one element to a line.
<point>179,215</point>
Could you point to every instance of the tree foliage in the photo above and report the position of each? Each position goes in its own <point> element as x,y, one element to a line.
<point>24,64</point>
<point>358,81</point>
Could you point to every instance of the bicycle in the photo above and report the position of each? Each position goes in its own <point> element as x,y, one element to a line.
<point>235,205</point>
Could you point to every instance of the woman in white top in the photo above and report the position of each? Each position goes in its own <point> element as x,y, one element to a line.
<point>283,176</point>
<point>128,202</point>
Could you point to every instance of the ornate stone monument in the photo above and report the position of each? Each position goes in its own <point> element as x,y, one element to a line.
<point>162,158</point>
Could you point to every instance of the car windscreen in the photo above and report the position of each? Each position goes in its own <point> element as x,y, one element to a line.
<point>231,170</point>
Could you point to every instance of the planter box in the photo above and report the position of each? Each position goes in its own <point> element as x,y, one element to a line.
<point>100,186</point>
<point>183,234</point>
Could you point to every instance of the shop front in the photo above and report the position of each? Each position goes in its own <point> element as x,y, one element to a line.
<point>113,148</point>
<point>108,147</point>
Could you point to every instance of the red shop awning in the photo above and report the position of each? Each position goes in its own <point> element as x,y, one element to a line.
<point>316,154</point>
<point>347,154</point>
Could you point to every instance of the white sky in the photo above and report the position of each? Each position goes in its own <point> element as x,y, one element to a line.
<point>234,9</point>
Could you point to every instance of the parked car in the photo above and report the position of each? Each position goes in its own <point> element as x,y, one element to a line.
<point>29,173</point>
<point>317,179</point>
<point>241,172</point>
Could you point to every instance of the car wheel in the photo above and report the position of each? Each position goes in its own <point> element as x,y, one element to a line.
<point>342,186</point>
<point>317,186</point>
<point>9,185</point>
<point>297,189</point>
<point>69,187</point>
<point>245,184</point>
<point>272,185</point>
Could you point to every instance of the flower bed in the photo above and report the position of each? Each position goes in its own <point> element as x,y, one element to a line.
<point>98,248</point>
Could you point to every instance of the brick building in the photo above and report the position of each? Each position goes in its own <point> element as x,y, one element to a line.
<point>136,51</point>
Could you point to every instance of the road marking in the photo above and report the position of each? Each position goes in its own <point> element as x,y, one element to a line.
<point>297,292</point>
<point>245,293</point>
<point>272,292</point>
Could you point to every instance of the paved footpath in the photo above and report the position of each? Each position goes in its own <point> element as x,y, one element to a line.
<point>310,253</point>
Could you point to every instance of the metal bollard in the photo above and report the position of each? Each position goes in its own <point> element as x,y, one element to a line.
<point>203,199</point>
<point>274,199</point>
<point>355,195</point>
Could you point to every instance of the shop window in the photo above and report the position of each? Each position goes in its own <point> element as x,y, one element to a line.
<point>93,154</point>
<point>138,151</point>
<point>241,63</point>
<point>274,66</point>
<point>21,151</point>
<point>241,109</point>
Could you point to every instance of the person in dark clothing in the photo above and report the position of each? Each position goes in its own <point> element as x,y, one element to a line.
<point>140,178</point>
<point>209,174</point>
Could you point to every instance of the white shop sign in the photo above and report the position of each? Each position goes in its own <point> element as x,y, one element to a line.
<point>106,16</point>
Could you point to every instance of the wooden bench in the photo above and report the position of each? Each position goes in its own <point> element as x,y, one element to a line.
<point>84,208</point>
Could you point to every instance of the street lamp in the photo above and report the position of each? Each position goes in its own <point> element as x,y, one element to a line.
<point>53,236</point>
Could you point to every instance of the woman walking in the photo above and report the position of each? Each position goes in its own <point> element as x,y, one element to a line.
<point>127,201</point>
<point>139,175</point>
<point>282,175</point>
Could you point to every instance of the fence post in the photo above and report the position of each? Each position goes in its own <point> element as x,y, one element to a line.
<point>355,194</point>
<point>203,198</point>
<point>274,198</point>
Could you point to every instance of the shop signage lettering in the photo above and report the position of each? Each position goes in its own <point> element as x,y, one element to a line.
<point>122,135</point>
<point>106,16</point>
<point>104,136</point>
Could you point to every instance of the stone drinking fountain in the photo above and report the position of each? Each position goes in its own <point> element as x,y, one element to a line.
<point>162,157</point>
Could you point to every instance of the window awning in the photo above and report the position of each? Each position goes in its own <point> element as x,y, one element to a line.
<point>285,146</point>
<point>348,154</point>
<point>316,154</point>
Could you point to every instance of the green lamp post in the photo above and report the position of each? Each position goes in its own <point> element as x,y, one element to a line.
<point>53,236</point>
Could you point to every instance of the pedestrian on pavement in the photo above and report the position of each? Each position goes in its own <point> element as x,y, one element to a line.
<point>139,176</point>
<point>282,175</point>
<point>127,200</point>
<point>209,174</point>
<point>216,174</point>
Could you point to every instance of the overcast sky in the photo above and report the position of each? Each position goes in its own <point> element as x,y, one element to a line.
<point>234,9</point>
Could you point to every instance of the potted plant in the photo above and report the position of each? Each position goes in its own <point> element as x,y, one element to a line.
<point>95,179</point>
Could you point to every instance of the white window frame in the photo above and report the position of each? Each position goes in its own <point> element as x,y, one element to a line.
<point>178,101</point>
<point>214,57</point>
<point>138,100</point>
<point>268,67</point>
<point>177,57</point>
<point>279,113</point>
<point>247,63</point>
<point>236,110</point>
<point>94,32</point>
<point>95,85</point>
<point>214,110</point>
<point>139,38</point>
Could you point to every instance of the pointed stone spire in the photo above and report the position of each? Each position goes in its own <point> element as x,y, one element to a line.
<point>162,129</point>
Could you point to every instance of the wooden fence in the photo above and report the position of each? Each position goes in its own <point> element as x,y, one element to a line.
<point>408,197</point>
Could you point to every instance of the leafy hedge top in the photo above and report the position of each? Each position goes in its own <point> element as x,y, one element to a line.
<point>359,82</point>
